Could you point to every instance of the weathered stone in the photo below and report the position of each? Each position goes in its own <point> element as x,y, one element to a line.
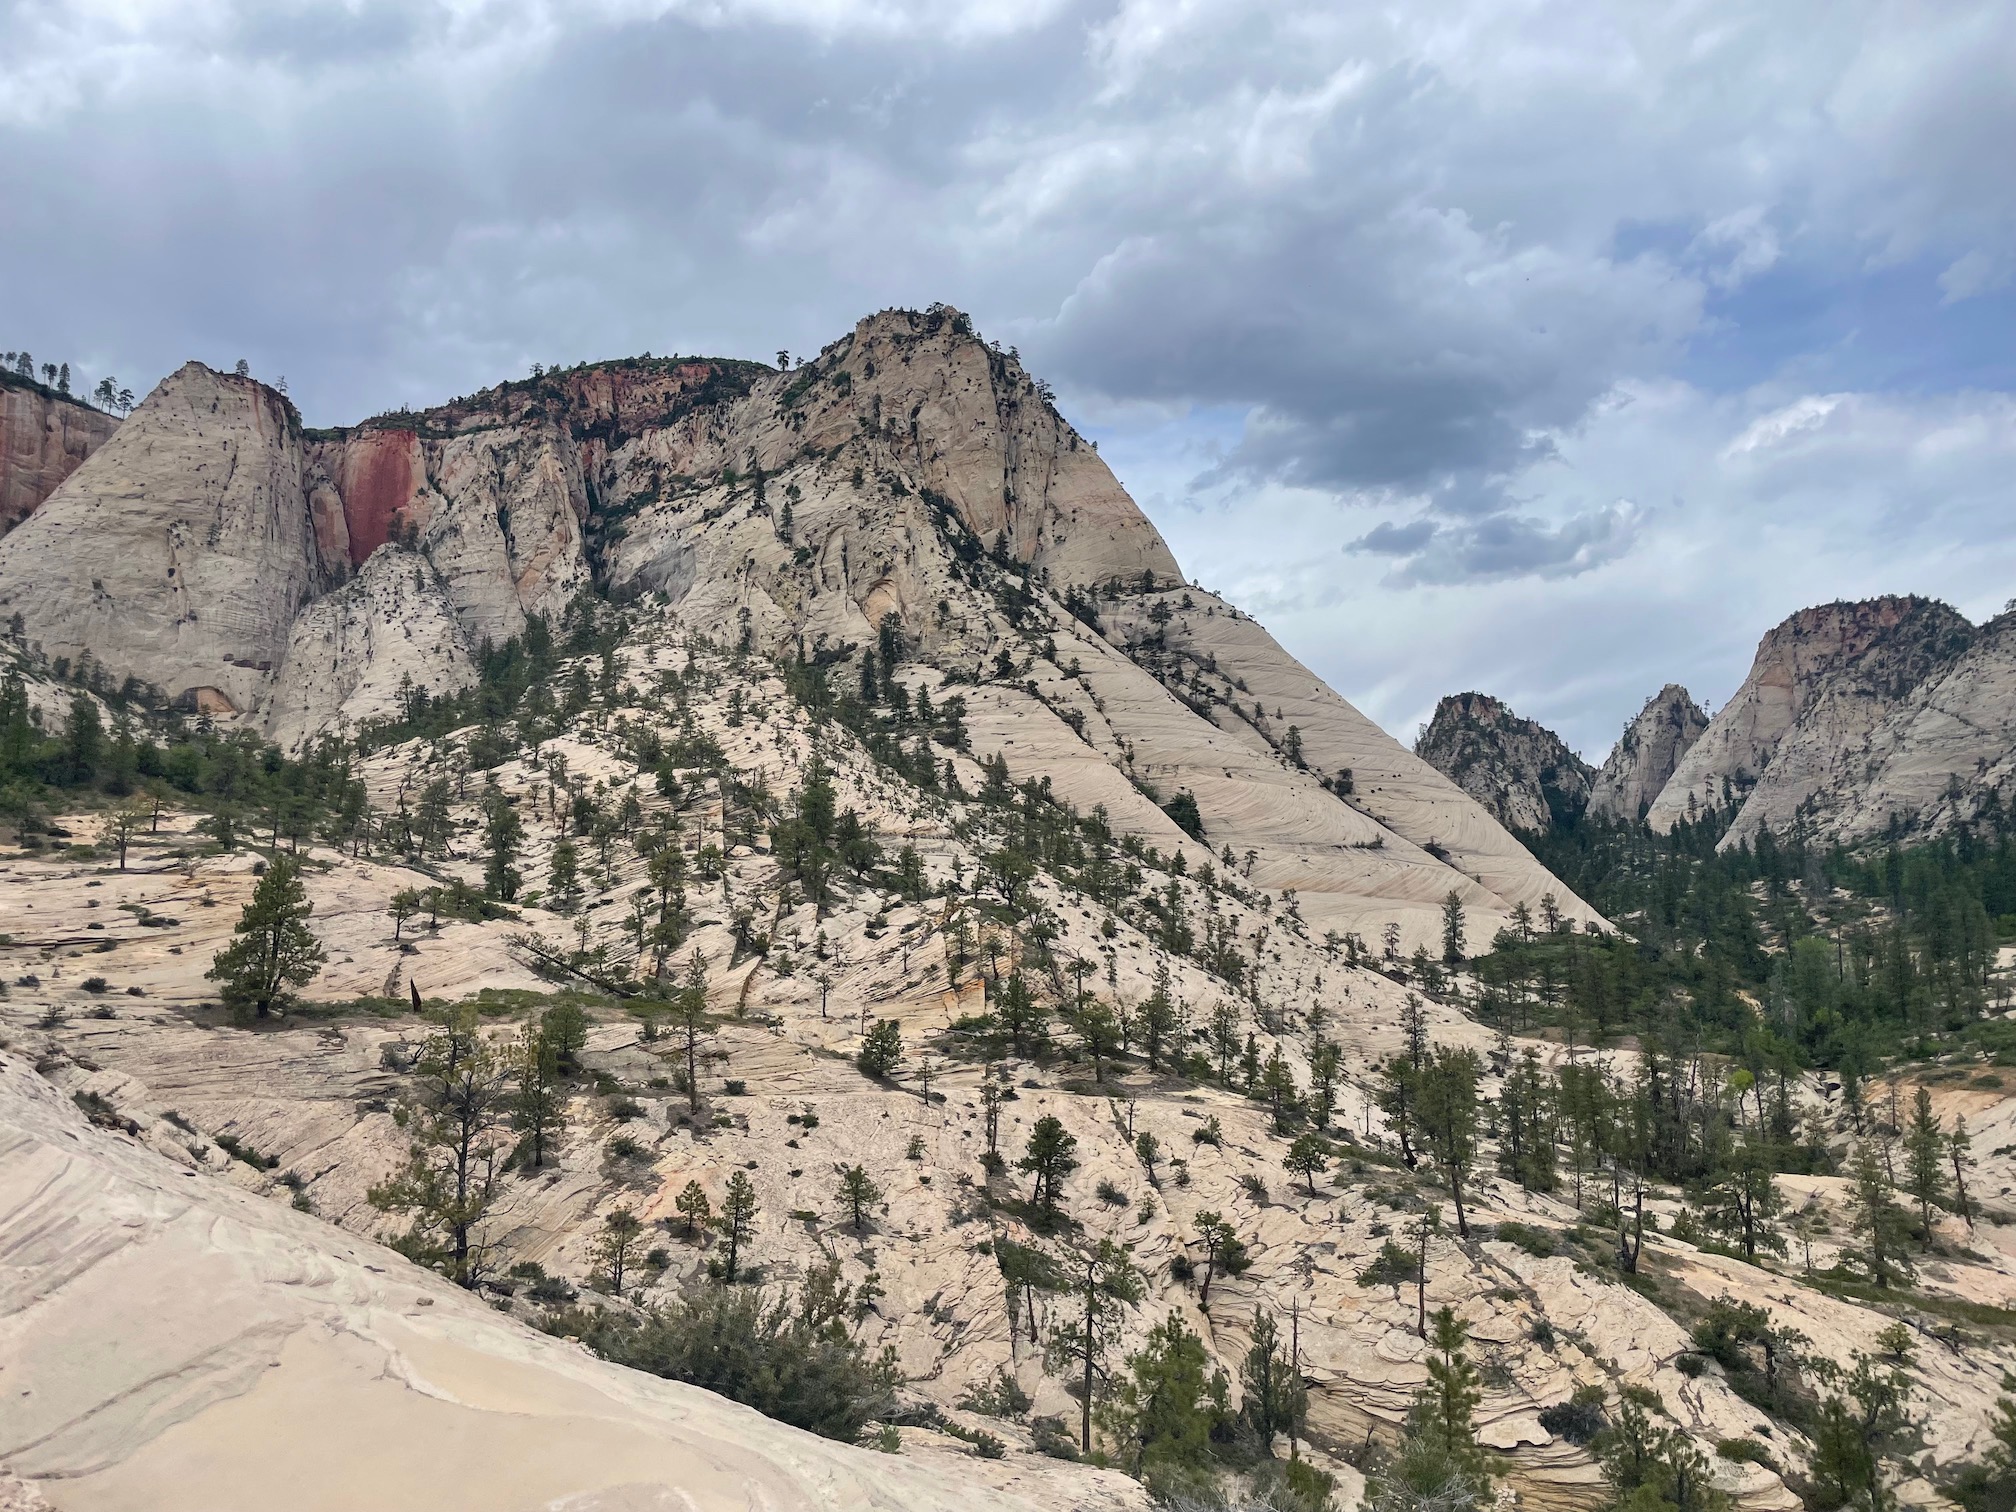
<point>44,437</point>
<point>1646,755</point>
<point>1520,771</point>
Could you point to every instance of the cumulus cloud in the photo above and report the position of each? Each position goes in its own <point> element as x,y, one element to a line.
<point>1502,546</point>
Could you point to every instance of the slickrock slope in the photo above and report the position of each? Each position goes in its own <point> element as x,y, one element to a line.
<point>1821,684</point>
<point>169,1342</point>
<point>1517,769</point>
<point>1646,755</point>
<point>44,437</point>
<point>180,552</point>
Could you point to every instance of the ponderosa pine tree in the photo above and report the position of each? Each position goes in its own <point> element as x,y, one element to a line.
<point>272,948</point>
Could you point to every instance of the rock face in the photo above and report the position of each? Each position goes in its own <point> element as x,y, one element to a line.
<point>44,437</point>
<point>1518,770</point>
<point>174,1343</point>
<point>351,653</point>
<point>1646,755</point>
<point>1791,742</point>
<point>180,552</point>
<point>909,470</point>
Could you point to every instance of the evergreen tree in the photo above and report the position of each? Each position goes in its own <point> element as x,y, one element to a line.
<point>1652,1468</point>
<point>621,1231</point>
<point>1448,1115</point>
<point>1277,1090</point>
<point>1439,1466</point>
<point>1743,1202</point>
<point>1306,1156</point>
<point>858,1194</point>
<point>1019,1016</point>
<point>1168,1404</point>
<point>503,834</point>
<point>691,1028</point>
<point>736,1223</point>
<point>1224,1253</point>
<point>455,1163</point>
<point>1052,1155</point>
<point>693,1206</point>
<point>1273,1399</point>
<point>1157,1021</point>
<point>1879,1222</point>
<point>539,1111</point>
<point>881,1050</point>
<point>1105,1281</point>
<point>1526,1126</point>
<point>1925,1154</point>
<point>272,948</point>
<point>1452,929</point>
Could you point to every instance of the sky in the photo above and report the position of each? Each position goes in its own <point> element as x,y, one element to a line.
<point>1552,350</point>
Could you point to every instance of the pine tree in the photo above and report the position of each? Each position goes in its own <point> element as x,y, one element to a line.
<point>1104,1280</point>
<point>693,1206</point>
<point>1157,1021</point>
<point>1448,1116</point>
<point>1879,1222</point>
<point>1052,1155</point>
<point>1169,1403</point>
<point>1272,1396</point>
<point>272,947</point>
<point>503,833</point>
<point>1277,1090</point>
<point>1452,929</point>
<point>455,1163</point>
<point>539,1110</point>
<point>881,1050</point>
<point>1439,1466</point>
<point>1224,1253</point>
<point>691,1028</point>
<point>1305,1157</point>
<point>1743,1200</point>
<point>1925,1154</point>
<point>621,1231</point>
<point>736,1223</point>
<point>858,1194</point>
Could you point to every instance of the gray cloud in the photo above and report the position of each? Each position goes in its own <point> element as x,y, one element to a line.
<point>1341,266</point>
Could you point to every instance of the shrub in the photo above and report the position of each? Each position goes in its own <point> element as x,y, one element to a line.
<point>1052,1438</point>
<point>1745,1452</point>
<point>789,1358</point>
<point>1002,1397</point>
<point>736,1088</point>
<point>623,1109</point>
<point>1538,1243</point>
<point>623,1147</point>
<point>1110,1194</point>
<point>1579,1419</point>
<point>96,984</point>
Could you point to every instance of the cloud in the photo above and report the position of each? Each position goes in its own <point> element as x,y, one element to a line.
<point>1441,283</point>
<point>1502,546</point>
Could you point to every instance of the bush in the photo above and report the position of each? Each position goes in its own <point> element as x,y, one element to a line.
<point>1110,1194</point>
<point>1002,1397</point>
<point>623,1109</point>
<point>790,1359</point>
<point>1052,1438</point>
<point>1579,1419</point>
<point>736,1088</point>
<point>1745,1452</point>
<point>96,984</point>
<point>1538,1243</point>
<point>623,1147</point>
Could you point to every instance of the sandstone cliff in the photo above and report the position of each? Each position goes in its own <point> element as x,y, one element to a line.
<point>1646,755</point>
<point>911,469</point>
<point>1822,683</point>
<point>44,437</point>
<point>1518,770</point>
<point>180,552</point>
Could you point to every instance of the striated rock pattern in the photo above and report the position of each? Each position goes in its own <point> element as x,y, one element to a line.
<point>1646,755</point>
<point>1821,685</point>
<point>1518,770</point>
<point>44,437</point>
<point>173,1343</point>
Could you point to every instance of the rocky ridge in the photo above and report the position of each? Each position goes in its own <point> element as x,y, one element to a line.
<point>1647,754</point>
<point>1519,771</point>
<point>209,550</point>
<point>1799,737</point>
